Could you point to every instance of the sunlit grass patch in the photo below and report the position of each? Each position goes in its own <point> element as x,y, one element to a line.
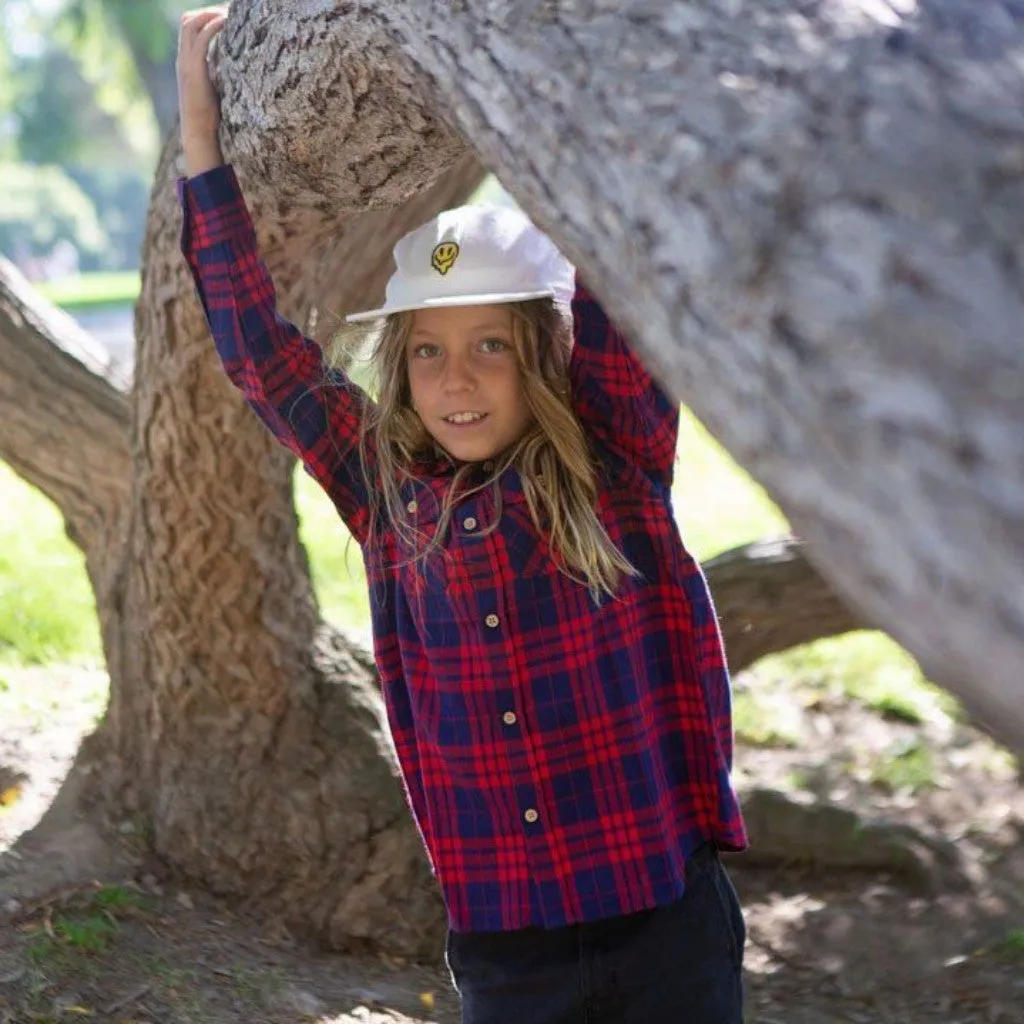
<point>867,667</point>
<point>92,291</point>
<point>47,609</point>
<point>336,562</point>
<point>718,506</point>
<point>908,766</point>
<point>763,722</point>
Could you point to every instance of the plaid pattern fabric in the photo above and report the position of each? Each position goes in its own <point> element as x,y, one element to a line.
<point>562,757</point>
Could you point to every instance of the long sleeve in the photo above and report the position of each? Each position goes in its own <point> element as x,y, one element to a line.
<point>615,397</point>
<point>312,409</point>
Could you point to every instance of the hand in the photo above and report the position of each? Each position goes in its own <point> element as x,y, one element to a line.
<point>197,99</point>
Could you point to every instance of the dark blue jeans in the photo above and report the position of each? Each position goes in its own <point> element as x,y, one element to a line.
<point>678,964</point>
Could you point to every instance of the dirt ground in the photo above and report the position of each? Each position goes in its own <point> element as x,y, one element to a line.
<point>90,930</point>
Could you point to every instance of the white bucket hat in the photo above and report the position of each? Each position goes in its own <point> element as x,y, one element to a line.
<point>473,256</point>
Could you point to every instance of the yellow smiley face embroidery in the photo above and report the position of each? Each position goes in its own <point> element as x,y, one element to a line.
<point>443,258</point>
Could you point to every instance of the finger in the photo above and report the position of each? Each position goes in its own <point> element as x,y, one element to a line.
<point>206,37</point>
<point>194,21</point>
<point>208,31</point>
<point>197,34</point>
<point>202,12</point>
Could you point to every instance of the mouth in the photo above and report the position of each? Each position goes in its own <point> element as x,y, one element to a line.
<point>464,419</point>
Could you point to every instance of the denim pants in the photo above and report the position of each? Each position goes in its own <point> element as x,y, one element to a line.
<point>677,964</point>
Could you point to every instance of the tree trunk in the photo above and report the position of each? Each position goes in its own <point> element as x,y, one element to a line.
<point>711,189</point>
<point>247,737</point>
<point>253,738</point>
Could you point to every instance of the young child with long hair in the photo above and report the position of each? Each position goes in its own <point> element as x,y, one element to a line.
<point>550,659</point>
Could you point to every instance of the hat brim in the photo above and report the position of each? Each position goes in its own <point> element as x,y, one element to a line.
<point>451,300</point>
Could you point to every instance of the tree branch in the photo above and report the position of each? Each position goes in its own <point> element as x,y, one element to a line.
<point>769,599</point>
<point>64,426</point>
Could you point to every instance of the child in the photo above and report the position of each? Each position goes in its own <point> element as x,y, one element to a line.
<point>549,655</point>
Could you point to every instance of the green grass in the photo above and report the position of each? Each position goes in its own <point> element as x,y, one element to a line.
<point>93,291</point>
<point>718,506</point>
<point>906,767</point>
<point>47,611</point>
<point>1013,943</point>
<point>760,722</point>
<point>865,666</point>
<point>335,559</point>
<point>86,924</point>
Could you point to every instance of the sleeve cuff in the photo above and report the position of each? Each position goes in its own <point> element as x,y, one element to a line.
<point>214,206</point>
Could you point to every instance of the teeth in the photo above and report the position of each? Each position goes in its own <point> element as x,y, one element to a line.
<point>465,417</point>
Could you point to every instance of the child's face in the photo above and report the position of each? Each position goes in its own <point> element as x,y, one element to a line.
<point>462,364</point>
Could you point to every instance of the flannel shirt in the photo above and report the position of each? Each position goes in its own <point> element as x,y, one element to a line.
<point>562,757</point>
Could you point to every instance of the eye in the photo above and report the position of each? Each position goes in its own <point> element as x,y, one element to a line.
<point>494,345</point>
<point>426,350</point>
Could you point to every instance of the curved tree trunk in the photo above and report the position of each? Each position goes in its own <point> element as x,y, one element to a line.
<point>741,197</point>
<point>254,741</point>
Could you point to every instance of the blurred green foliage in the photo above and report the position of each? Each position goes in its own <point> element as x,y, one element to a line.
<point>86,91</point>
<point>43,205</point>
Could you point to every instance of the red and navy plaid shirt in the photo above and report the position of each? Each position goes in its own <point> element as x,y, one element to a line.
<point>562,757</point>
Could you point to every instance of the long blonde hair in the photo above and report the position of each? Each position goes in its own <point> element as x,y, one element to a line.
<point>553,457</point>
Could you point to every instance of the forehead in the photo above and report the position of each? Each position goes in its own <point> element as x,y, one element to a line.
<point>456,320</point>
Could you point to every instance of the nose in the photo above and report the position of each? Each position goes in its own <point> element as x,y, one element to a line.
<point>457,376</point>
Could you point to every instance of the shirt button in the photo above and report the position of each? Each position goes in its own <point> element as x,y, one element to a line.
<point>469,523</point>
<point>411,507</point>
<point>509,718</point>
<point>531,815</point>
<point>492,620</point>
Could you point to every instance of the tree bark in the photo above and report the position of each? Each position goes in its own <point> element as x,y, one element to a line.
<point>64,426</point>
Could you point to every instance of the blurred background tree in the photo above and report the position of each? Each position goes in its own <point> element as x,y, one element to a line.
<point>87,92</point>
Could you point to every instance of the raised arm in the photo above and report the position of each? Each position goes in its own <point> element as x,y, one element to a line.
<point>311,409</point>
<point>615,398</point>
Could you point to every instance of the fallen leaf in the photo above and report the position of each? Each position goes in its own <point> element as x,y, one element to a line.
<point>10,795</point>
